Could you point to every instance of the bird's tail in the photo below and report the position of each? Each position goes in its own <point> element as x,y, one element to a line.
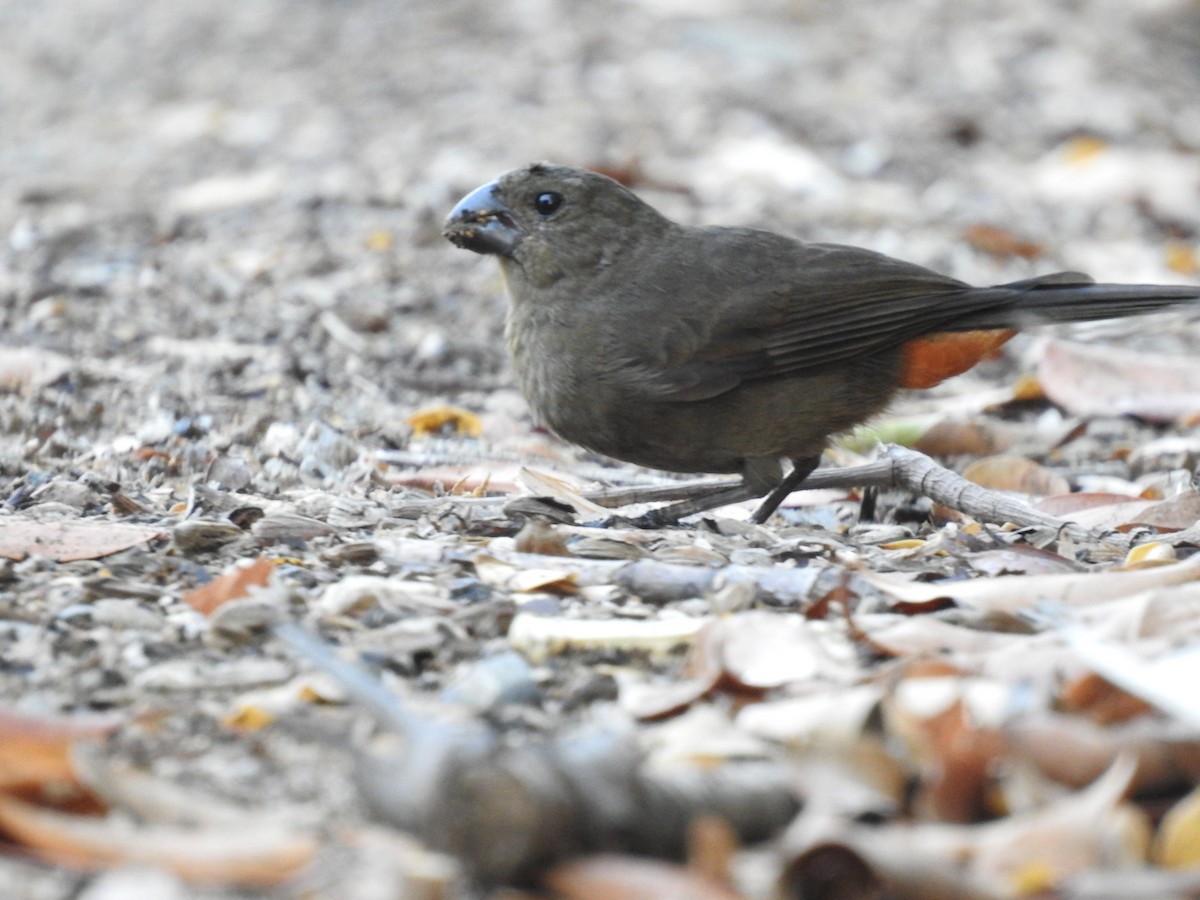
<point>1071,297</point>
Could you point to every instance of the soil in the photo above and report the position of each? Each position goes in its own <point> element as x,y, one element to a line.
<point>224,273</point>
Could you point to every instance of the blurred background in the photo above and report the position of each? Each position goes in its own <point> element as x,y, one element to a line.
<point>271,172</point>
<point>223,285</point>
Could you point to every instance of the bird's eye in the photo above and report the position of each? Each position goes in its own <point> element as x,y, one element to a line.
<point>545,204</point>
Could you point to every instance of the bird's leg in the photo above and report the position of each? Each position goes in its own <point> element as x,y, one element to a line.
<point>801,469</point>
<point>711,499</point>
<point>760,478</point>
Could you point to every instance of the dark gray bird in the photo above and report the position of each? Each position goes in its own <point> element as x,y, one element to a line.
<point>731,349</point>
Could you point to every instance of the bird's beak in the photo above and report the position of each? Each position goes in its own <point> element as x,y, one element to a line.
<point>482,223</point>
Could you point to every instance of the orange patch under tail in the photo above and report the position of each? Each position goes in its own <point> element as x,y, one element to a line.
<point>930,360</point>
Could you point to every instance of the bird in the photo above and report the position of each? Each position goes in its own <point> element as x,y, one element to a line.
<point>730,349</point>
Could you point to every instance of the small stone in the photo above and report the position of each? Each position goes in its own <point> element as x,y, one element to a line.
<point>204,535</point>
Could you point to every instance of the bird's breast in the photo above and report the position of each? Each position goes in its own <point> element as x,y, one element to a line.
<point>557,361</point>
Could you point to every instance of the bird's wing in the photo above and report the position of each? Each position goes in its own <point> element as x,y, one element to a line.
<point>836,305</point>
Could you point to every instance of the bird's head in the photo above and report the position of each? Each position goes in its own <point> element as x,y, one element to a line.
<point>550,220</point>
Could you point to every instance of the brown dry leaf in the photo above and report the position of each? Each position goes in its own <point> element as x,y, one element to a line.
<point>442,419</point>
<point>503,478</point>
<point>1013,593</point>
<point>1088,380</point>
<point>712,844</point>
<point>905,636</point>
<point>1021,854</point>
<point>1100,700</point>
<point>1074,750</point>
<point>35,751</point>
<point>70,541</point>
<point>1182,258</point>
<point>1154,553</point>
<point>1001,243</point>
<point>1015,473</point>
<point>656,699</point>
<point>648,701</point>
<point>250,853</point>
<point>525,579</point>
<point>539,637</point>
<point>545,484</point>
<point>1019,559</point>
<point>1166,681</point>
<point>1172,613</point>
<point>249,718</point>
<point>1175,514</point>
<point>831,717</point>
<point>631,878</point>
<point>23,369</point>
<point>1027,388</point>
<point>1092,828</point>
<point>956,755</point>
<point>1123,512</point>
<point>762,650</point>
<point>233,585</point>
<point>148,797</point>
<point>1065,505</point>
<point>380,240</point>
<point>540,538</point>
<point>830,869</point>
<point>1095,510</point>
<point>971,437</point>
<point>1177,844</point>
<point>1083,148</point>
<point>1119,516</point>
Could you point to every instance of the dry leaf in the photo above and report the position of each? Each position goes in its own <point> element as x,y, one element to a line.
<point>247,853</point>
<point>501,478</point>
<point>545,484</point>
<point>1063,505</point>
<point>943,717</point>
<point>443,419</point>
<point>1013,593</point>
<point>35,751</point>
<point>1168,681</point>
<point>654,699</point>
<point>23,369</point>
<point>1074,750</point>
<point>1100,700</point>
<point>524,579</point>
<point>962,758</point>
<point>1089,829</point>
<point>233,585</point>
<point>539,637</point>
<point>763,650</point>
<point>1182,258</point>
<point>1015,473</point>
<point>1089,380</point>
<point>1154,553</point>
<point>1175,514</point>
<point>631,878</point>
<point>1020,559</point>
<point>541,538</point>
<point>1001,243</point>
<point>970,437</point>
<point>70,541</point>
<point>1097,509</point>
<point>1092,828</point>
<point>380,240</point>
<point>1082,149</point>
<point>1177,844</point>
<point>831,717</point>
<point>1028,388</point>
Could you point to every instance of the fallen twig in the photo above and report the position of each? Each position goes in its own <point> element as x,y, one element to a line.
<point>507,809</point>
